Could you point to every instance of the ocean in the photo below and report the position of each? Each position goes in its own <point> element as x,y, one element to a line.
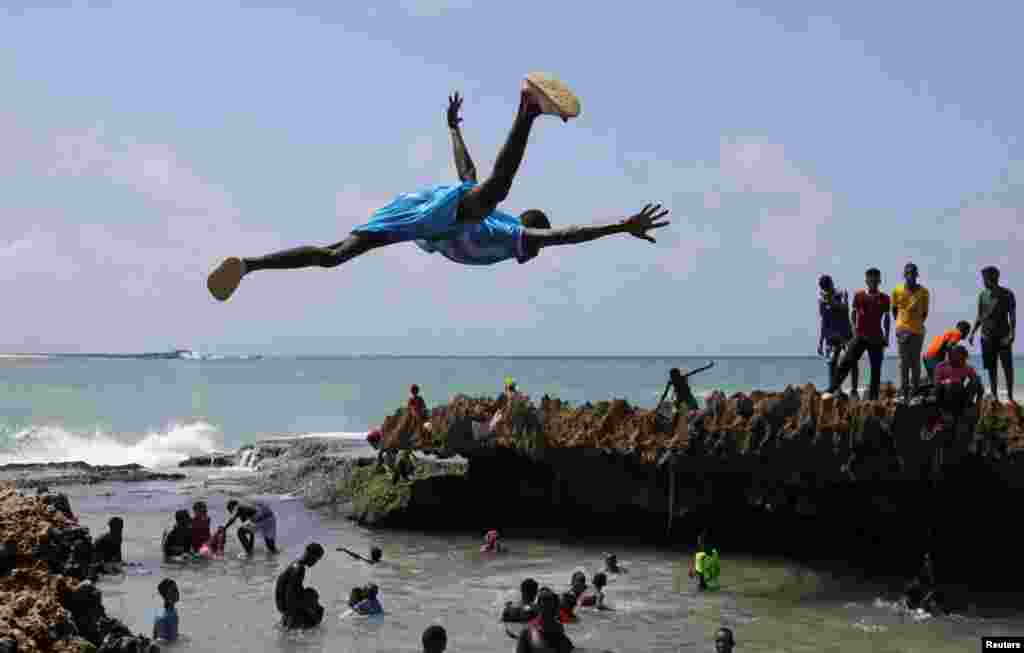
<point>156,412</point>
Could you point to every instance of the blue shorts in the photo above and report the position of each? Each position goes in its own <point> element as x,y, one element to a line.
<point>428,214</point>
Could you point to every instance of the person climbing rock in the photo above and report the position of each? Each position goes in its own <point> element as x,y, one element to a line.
<point>459,221</point>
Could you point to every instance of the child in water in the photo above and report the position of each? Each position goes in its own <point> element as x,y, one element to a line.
<point>595,598</point>
<point>214,547</point>
<point>567,608</point>
<point>491,543</point>
<point>200,525</point>
<point>165,623</point>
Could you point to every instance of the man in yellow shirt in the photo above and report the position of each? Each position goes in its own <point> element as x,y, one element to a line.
<point>910,309</point>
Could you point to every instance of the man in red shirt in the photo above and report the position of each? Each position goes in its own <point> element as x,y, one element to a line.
<point>871,324</point>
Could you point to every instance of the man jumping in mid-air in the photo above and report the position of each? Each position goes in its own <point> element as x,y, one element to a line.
<point>461,222</point>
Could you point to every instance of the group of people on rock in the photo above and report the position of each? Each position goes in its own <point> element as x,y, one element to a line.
<point>848,329</point>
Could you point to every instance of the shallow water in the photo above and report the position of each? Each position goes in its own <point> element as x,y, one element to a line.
<point>227,605</point>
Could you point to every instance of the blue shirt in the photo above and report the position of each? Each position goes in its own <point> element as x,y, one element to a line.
<point>368,606</point>
<point>165,624</point>
<point>498,237</point>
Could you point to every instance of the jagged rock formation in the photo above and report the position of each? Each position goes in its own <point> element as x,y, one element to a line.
<point>784,473</point>
<point>44,603</point>
<point>36,475</point>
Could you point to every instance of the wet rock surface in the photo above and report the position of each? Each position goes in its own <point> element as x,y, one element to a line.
<point>210,460</point>
<point>41,475</point>
<point>44,603</point>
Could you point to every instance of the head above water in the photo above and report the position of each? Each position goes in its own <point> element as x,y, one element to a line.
<point>414,389</point>
<point>375,553</point>
<point>182,517</point>
<point>168,590</point>
<point>314,551</point>
<point>232,505</point>
<point>724,640</point>
<point>567,601</point>
<point>528,588</point>
<point>435,639</point>
<point>116,524</point>
<point>547,603</point>
<point>372,591</point>
<point>600,579</point>
<point>578,582</point>
<point>199,507</point>
<point>990,276</point>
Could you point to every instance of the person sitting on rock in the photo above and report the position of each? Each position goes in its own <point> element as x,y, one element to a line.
<point>107,547</point>
<point>491,543</point>
<point>299,607</point>
<point>165,623</point>
<point>595,598</point>
<point>435,639</point>
<point>371,604</point>
<point>525,609</point>
<point>957,386</point>
<point>611,565</point>
<point>178,540</point>
<point>544,633</point>
<point>940,345</point>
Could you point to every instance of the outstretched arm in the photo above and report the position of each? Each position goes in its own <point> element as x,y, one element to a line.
<point>637,226</point>
<point>463,163</point>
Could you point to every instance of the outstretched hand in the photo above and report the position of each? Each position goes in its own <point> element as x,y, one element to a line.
<point>638,225</point>
<point>454,104</point>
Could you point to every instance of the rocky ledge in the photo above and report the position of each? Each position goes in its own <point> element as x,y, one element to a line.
<point>45,605</point>
<point>36,475</point>
<point>871,482</point>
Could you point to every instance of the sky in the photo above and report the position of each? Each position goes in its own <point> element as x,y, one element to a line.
<point>141,143</point>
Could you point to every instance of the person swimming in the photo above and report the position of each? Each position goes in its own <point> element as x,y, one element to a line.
<point>611,565</point>
<point>578,584</point>
<point>567,608</point>
<point>370,604</point>
<point>595,598</point>
<point>375,554</point>
<point>491,543</point>
<point>525,609</point>
<point>545,633</point>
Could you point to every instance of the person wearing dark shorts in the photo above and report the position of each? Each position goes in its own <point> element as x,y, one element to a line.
<point>461,222</point>
<point>997,319</point>
<point>871,322</point>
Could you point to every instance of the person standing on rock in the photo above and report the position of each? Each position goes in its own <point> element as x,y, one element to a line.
<point>416,406</point>
<point>835,334</point>
<point>299,606</point>
<point>910,306</point>
<point>257,517</point>
<point>997,319</point>
<point>871,323</point>
<point>462,222</point>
